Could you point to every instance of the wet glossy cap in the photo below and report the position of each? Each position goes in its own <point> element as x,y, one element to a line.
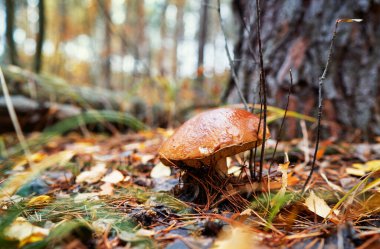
<point>210,136</point>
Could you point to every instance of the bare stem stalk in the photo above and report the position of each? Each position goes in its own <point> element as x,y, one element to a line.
<point>320,105</point>
<point>263,86</point>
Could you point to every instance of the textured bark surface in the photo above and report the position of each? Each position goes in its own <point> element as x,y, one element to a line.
<point>296,34</point>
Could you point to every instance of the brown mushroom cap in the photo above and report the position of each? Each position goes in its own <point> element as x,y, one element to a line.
<point>211,136</point>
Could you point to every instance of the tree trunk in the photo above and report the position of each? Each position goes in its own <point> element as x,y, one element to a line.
<point>162,61</point>
<point>40,36</point>
<point>178,35</point>
<point>105,6</point>
<point>10,18</point>
<point>136,33</point>
<point>296,35</point>
<point>202,38</point>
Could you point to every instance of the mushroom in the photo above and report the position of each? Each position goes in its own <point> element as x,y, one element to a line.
<point>207,139</point>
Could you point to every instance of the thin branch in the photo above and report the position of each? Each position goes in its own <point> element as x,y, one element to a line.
<point>320,106</point>
<point>283,119</point>
<point>15,122</point>
<point>234,76</point>
<point>263,85</point>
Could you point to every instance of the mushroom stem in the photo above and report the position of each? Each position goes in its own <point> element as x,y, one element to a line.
<point>221,167</point>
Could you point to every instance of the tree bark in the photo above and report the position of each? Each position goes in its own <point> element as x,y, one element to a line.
<point>40,36</point>
<point>296,35</point>
<point>10,12</point>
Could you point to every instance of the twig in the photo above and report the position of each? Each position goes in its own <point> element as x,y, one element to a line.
<point>283,120</point>
<point>15,122</point>
<point>320,97</point>
<point>234,76</point>
<point>263,85</point>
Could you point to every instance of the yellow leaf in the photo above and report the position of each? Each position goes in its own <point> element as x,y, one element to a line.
<point>25,232</point>
<point>355,172</point>
<point>39,200</point>
<point>33,238</point>
<point>359,169</point>
<point>36,157</point>
<point>371,185</point>
<point>373,165</point>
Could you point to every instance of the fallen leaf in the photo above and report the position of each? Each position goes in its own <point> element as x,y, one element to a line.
<point>39,200</point>
<point>320,207</point>
<point>106,189</point>
<point>12,184</point>
<point>355,172</point>
<point>114,177</point>
<point>25,232</point>
<point>372,185</point>
<point>359,169</point>
<point>36,157</point>
<point>160,170</point>
<point>372,165</point>
<point>237,237</point>
<point>93,175</point>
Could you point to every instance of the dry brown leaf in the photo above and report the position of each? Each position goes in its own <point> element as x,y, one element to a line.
<point>93,175</point>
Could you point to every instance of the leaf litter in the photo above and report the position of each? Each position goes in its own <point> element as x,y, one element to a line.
<point>109,192</point>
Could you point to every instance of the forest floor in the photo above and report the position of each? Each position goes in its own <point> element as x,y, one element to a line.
<point>112,192</point>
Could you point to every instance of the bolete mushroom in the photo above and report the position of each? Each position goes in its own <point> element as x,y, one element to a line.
<point>207,139</point>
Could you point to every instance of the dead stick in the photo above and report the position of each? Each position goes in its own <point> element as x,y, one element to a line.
<point>263,85</point>
<point>320,106</point>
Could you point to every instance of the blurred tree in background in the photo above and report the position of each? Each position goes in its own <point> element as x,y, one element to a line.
<point>166,56</point>
<point>145,51</point>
